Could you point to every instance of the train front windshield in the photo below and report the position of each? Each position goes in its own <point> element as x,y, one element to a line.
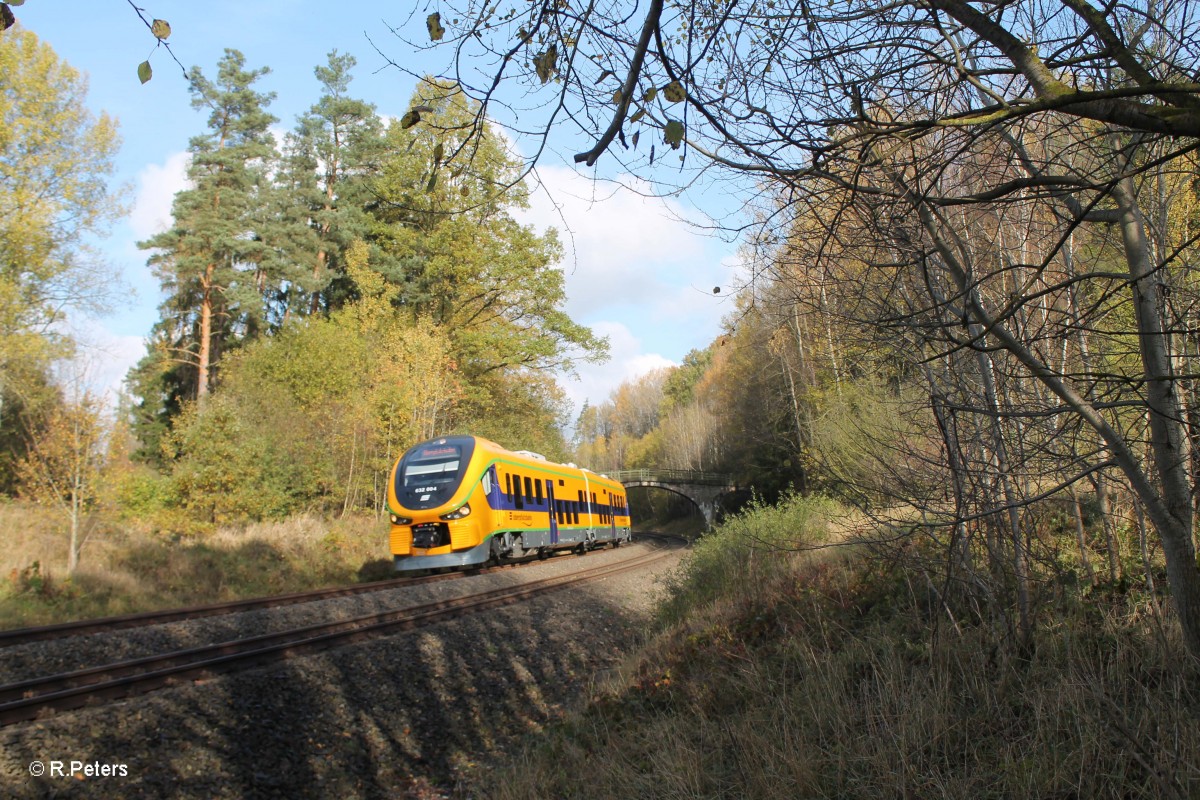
<point>430,472</point>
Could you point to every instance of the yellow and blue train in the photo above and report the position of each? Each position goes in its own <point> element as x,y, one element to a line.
<point>463,501</point>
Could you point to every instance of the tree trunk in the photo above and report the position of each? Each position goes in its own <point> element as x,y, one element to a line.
<point>1000,460</point>
<point>75,511</point>
<point>1171,511</point>
<point>1081,538</point>
<point>204,356</point>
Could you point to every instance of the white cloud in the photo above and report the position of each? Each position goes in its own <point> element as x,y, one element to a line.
<point>635,270</point>
<point>619,244</point>
<point>103,357</point>
<point>157,185</point>
<point>595,382</point>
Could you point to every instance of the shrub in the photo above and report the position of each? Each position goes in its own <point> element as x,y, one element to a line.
<point>746,550</point>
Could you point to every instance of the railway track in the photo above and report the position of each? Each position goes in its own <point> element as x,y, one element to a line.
<point>31,699</point>
<point>62,630</point>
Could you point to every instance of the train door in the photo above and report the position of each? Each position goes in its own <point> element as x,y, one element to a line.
<point>553,511</point>
<point>612,513</point>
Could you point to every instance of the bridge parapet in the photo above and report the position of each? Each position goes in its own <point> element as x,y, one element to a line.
<point>671,476</point>
<point>702,488</point>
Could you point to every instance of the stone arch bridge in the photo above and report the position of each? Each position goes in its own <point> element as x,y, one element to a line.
<point>703,488</point>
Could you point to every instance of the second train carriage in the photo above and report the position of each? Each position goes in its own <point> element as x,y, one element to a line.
<point>461,501</point>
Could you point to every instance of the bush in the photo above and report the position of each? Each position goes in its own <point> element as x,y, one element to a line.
<point>745,551</point>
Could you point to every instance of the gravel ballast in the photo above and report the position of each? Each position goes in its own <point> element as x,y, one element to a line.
<point>408,715</point>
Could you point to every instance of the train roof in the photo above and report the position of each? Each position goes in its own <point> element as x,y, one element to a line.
<point>528,454</point>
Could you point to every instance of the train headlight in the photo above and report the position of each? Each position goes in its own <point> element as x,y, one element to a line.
<point>458,513</point>
<point>399,520</point>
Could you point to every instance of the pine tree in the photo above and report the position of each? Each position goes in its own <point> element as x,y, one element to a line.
<point>212,261</point>
<point>331,156</point>
<point>445,200</point>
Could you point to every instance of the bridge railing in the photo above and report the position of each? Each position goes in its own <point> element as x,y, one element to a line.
<point>671,476</point>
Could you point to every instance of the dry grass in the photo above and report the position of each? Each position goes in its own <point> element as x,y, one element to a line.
<point>123,570</point>
<point>817,675</point>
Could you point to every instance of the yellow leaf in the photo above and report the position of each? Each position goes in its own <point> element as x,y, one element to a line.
<point>434,23</point>
<point>545,64</point>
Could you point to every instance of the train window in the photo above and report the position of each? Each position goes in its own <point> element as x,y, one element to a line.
<point>561,482</point>
<point>528,489</point>
<point>487,482</point>
<point>520,499</point>
<point>537,485</point>
<point>508,485</point>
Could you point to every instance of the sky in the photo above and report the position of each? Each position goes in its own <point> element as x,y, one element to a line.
<point>639,270</point>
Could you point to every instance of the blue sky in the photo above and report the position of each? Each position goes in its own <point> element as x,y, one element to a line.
<point>637,269</point>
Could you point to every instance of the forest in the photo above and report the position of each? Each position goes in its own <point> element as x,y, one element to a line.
<point>969,309</point>
<point>981,335</point>
<point>967,313</point>
<point>329,299</point>
<point>966,330</point>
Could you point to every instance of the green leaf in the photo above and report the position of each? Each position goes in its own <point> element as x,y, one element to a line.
<point>429,187</point>
<point>160,28</point>
<point>650,94</point>
<point>434,23</point>
<point>15,3</point>
<point>410,119</point>
<point>673,134</point>
<point>438,152</point>
<point>144,71</point>
<point>674,92</point>
<point>641,112</point>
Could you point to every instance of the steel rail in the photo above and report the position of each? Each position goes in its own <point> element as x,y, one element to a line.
<point>35,698</point>
<point>62,630</point>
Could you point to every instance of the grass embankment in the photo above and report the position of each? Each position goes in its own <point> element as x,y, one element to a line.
<point>818,674</point>
<point>123,571</point>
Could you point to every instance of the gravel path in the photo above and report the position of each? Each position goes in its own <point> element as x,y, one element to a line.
<point>410,715</point>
